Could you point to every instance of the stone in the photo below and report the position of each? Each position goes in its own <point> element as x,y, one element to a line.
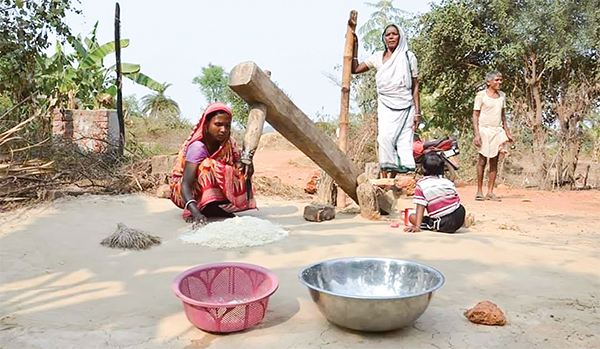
<point>407,183</point>
<point>486,313</point>
<point>367,200</point>
<point>372,170</point>
<point>386,201</point>
<point>313,182</point>
<point>163,191</point>
<point>319,213</point>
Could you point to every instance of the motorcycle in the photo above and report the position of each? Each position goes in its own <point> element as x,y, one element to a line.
<point>446,147</point>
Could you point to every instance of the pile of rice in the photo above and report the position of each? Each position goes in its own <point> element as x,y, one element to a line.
<point>235,233</point>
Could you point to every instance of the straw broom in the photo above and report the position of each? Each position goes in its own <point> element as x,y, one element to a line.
<point>130,239</point>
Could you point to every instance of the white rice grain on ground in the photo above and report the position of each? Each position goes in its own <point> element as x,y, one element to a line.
<point>236,232</point>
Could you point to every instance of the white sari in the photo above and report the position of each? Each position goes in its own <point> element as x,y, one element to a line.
<point>395,111</point>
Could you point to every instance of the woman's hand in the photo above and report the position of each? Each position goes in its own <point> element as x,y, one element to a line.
<point>198,219</point>
<point>247,169</point>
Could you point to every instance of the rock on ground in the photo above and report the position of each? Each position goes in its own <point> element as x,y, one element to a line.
<point>486,313</point>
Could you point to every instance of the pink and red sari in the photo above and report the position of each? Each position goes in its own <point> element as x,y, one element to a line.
<point>219,179</point>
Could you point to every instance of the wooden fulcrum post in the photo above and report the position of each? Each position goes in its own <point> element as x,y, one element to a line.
<point>345,103</point>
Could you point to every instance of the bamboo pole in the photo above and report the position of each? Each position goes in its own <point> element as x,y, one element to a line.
<point>345,100</point>
<point>121,144</point>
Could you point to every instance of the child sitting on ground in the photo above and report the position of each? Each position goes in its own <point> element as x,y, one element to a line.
<point>438,195</point>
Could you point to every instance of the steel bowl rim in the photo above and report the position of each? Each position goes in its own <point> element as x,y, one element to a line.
<point>430,290</point>
<point>188,300</point>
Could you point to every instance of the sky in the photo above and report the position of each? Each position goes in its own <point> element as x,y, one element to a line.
<point>297,40</point>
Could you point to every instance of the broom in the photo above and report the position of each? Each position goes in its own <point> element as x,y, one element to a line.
<point>130,239</point>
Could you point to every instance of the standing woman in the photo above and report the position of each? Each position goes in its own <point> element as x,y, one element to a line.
<point>208,179</point>
<point>398,108</point>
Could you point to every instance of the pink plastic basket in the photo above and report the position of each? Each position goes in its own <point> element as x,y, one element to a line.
<point>225,297</point>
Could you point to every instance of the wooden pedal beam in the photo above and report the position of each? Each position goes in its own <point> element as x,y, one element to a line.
<point>255,87</point>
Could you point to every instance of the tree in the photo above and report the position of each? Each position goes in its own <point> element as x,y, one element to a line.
<point>213,84</point>
<point>158,106</point>
<point>385,13</point>
<point>24,33</point>
<point>82,75</point>
<point>545,48</point>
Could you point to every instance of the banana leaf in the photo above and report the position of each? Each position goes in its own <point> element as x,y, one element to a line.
<point>145,81</point>
<point>126,68</point>
<point>112,90</point>
<point>95,56</point>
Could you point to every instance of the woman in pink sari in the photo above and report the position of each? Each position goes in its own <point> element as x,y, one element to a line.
<point>208,179</point>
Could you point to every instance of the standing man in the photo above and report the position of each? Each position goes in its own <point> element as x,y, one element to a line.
<point>491,131</point>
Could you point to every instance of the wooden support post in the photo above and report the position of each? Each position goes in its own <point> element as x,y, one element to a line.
<point>345,103</point>
<point>121,144</point>
<point>254,86</point>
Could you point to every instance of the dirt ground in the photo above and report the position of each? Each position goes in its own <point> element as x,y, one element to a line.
<point>535,254</point>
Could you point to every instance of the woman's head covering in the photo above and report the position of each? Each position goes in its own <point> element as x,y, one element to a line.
<point>198,130</point>
<point>402,43</point>
<point>197,134</point>
<point>394,78</point>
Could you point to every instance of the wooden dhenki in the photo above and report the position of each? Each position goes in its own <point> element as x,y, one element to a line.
<point>269,103</point>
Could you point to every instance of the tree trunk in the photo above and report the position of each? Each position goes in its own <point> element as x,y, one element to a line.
<point>533,80</point>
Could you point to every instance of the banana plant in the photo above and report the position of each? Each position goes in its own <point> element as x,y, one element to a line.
<point>82,73</point>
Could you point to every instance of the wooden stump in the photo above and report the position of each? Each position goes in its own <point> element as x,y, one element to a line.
<point>372,170</point>
<point>367,200</point>
<point>326,190</point>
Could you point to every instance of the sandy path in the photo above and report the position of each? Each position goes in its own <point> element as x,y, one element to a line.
<point>537,260</point>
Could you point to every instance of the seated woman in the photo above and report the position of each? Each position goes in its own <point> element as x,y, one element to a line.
<point>208,178</point>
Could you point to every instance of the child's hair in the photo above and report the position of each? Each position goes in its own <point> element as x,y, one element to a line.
<point>433,165</point>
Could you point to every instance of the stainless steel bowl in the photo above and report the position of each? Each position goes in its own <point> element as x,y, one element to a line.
<point>371,294</point>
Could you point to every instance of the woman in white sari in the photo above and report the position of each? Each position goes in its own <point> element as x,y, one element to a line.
<point>398,108</point>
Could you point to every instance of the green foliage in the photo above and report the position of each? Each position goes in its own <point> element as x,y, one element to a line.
<point>213,84</point>
<point>385,13</point>
<point>148,135</point>
<point>95,55</point>
<point>460,40</point>
<point>24,33</point>
<point>159,106</point>
<point>83,73</point>
<point>132,107</point>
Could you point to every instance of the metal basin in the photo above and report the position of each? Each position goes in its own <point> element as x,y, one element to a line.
<point>371,294</point>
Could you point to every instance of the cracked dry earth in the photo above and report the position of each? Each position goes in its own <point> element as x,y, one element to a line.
<point>535,254</point>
